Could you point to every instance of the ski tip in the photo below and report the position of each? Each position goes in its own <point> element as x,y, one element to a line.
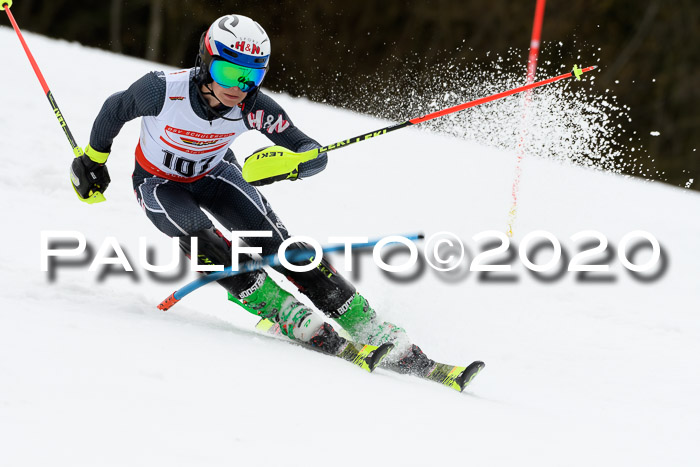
<point>469,373</point>
<point>375,358</point>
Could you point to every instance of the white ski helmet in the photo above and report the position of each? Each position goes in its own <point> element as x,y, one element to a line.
<point>234,51</point>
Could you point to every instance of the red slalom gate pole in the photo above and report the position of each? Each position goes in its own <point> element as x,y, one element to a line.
<point>6,4</point>
<point>531,69</point>
<point>535,40</point>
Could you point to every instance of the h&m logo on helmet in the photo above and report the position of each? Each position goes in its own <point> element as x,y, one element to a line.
<point>248,47</point>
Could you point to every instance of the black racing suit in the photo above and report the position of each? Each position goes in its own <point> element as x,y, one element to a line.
<point>176,208</point>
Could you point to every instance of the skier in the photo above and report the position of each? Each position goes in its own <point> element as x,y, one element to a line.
<point>184,166</point>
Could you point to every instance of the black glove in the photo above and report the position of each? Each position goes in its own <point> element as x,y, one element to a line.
<point>88,176</point>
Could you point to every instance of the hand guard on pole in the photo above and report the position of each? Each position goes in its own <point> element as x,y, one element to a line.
<point>274,163</point>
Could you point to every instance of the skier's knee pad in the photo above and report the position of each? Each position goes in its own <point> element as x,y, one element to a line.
<point>214,248</point>
<point>325,287</point>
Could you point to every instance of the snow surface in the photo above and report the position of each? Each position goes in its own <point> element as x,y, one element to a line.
<point>91,373</point>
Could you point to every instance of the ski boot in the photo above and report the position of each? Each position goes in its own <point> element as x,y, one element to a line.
<point>361,322</point>
<point>281,312</point>
<point>268,300</point>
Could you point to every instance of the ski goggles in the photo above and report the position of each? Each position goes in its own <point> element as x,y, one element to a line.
<point>229,75</point>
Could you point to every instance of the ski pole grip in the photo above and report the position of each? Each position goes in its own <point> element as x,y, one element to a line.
<point>6,4</point>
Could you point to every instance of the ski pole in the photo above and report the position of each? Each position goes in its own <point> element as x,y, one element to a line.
<point>264,166</point>
<point>96,197</point>
<point>269,260</point>
<point>575,73</point>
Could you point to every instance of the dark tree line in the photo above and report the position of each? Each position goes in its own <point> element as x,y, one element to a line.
<point>323,46</point>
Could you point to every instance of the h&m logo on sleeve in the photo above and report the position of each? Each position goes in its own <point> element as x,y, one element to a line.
<point>271,125</point>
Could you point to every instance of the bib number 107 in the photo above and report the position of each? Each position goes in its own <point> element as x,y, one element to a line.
<point>186,167</point>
